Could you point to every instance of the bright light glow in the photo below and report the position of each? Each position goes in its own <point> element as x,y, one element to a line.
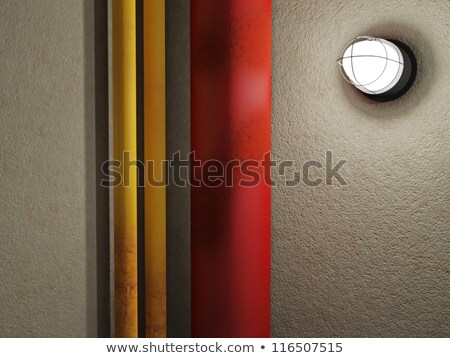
<point>372,65</point>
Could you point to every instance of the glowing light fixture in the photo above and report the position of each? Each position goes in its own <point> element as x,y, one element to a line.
<point>383,70</point>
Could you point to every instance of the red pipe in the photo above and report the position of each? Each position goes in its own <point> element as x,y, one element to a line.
<point>230,120</point>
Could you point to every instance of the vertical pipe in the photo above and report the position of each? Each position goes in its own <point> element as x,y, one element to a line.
<point>125,194</point>
<point>154,156</point>
<point>230,120</point>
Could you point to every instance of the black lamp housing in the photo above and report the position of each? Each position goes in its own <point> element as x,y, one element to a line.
<point>406,80</point>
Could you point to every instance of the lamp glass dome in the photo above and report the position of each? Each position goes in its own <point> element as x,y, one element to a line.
<point>373,65</point>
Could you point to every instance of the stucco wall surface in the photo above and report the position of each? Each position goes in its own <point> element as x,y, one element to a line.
<point>47,247</point>
<point>370,258</point>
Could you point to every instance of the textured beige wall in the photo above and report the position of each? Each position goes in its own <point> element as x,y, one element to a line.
<point>47,249</point>
<point>368,259</point>
<point>371,258</point>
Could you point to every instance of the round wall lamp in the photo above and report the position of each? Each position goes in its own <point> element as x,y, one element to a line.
<point>383,70</point>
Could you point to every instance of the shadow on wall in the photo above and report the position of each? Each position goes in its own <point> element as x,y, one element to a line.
<point>96,152</point>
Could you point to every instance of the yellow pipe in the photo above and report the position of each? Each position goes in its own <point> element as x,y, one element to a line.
<point>155,150</point>
<point>125,195</point>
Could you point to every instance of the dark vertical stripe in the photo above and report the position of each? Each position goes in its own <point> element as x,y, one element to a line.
<point>140,157</point>
<point>101,156</point>
<point>178,198</point>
